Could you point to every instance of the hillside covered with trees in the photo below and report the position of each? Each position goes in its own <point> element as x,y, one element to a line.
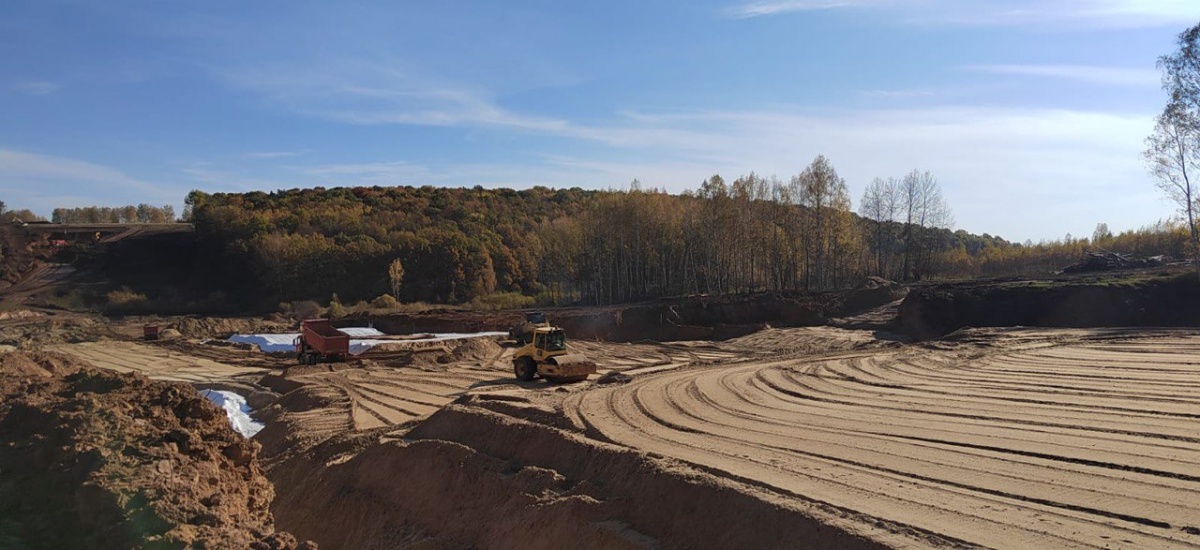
<point>573,245</point>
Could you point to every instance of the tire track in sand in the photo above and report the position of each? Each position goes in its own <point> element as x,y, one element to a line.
<point>1054,444</point>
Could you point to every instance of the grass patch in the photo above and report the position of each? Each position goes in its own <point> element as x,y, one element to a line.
<point>503,300</point>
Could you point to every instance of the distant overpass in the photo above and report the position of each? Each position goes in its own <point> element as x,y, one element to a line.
<point>107,232</point>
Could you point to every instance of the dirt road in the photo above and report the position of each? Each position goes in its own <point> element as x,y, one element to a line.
<point>1032,439</point>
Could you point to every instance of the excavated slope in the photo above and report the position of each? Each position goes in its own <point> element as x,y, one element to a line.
<point>96,459</point>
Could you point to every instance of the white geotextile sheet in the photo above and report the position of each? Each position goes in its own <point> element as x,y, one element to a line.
<point>236,409</point>
<point>360,339</point>
<point>271,343</point>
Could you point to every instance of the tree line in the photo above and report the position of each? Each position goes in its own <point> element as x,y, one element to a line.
<point>21,215</point>
<point>578,246</point>
<point>142,213</point>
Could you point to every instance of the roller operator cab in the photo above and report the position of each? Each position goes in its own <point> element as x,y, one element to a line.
<point>546,355</point>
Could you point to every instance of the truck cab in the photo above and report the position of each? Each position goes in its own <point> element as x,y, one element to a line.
<point>523,333</point>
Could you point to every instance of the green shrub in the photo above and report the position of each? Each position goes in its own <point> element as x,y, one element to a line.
<point>502,300</point>
<point>70,300</point>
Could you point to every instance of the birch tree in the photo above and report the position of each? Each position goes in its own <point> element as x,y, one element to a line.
<point>1173,149</point>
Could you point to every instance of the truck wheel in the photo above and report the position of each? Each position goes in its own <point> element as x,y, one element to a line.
<point>524,369</point>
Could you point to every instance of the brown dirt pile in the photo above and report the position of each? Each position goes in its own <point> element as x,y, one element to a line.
<point>95,459</point>
<point>467,477</point>
<point>224,327</point>
<point>35,332</point>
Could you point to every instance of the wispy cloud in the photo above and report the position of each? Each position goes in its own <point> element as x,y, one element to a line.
<point>46,182</point>
<point>35,87</point>
<point>16,165</point>
<point>368,93</point>
<point>372,173</point>
<point>273,154</point>
<point>759,9</point>
<point>1093,75</point>
<point>897,94</point>
<point>1102,13</point>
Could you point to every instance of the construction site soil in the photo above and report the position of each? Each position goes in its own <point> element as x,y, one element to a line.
<point>91,458</point>
<point>693,434</point>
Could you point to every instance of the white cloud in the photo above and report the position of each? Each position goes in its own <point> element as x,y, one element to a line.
<point>361,92</point>
<point>1083,73</point>
<point>35,87</point>
<point>374,173</point>
<point>1089,13</point>
<point>46,182</point>
<point>758,9</point>
<point>272,154</point>
<point>897,94</point>
<point>17,165</point>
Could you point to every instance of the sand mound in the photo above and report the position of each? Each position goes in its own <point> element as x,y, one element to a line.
<point>96,459</point>
<point>475,349</point>
<point>467,477</point>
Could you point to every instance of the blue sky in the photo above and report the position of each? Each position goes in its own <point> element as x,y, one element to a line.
<point>1032,114</point>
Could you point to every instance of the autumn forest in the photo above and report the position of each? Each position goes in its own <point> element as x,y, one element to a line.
<point>458,245</point>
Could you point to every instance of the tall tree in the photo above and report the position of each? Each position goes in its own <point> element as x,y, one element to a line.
<point>1101,235</point>
<point>924,209</point>
<point>880,205</point>
<point>396,277</point>
<point>825,199</point>
<point>1173,150</point>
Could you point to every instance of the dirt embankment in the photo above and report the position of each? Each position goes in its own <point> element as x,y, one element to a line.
<point>1145,299</point>
<point>467,477</point>
<point>96,459</point>
<point>685,318</point>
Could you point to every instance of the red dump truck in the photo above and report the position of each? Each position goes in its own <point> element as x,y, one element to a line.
<point>319,341</point>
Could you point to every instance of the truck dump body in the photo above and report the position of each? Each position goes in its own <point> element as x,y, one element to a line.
<point>318,338</point>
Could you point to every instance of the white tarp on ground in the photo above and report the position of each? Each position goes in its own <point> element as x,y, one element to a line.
<point>270,343</point>
<point>236,408</point>
<point>360,339</point>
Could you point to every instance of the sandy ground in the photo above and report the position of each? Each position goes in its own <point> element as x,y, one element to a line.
<point>386,394</point>
<point>156,362</point>
<point>1004,438</point>
<point>1017,439</point>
